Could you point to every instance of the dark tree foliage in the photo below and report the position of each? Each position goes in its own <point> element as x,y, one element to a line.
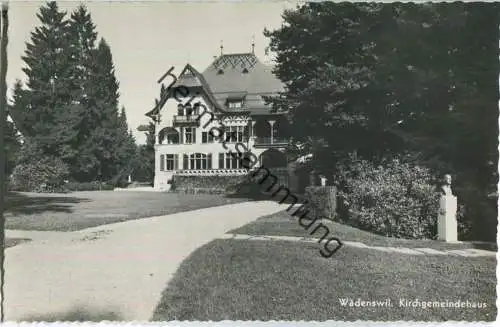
<point>11,146</point>
<point>145,167</point>
<point>385,80</point>
<point>69,106</point>
<point>47,111</point>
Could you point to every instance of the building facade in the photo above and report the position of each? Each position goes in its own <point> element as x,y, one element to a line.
<point>229,94</point>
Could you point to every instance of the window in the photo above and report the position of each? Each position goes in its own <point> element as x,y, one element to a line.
<point>185,162</point>
<point>173,138</point>
<point>190,135</point>
<point>189,109</point>
<point>234,104</point>
<point>207,137</point>
<point>180,110</point>
<point>221,160</point>
<point>209,161</point>
<point>196,108</point>
<point>162,162</point>
<point>230,161</point>
<point>172,162</point>
<point>235,134</point>
<point>198,161</point>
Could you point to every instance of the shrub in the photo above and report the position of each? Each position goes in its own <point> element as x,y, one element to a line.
<point>89,186</point>
<point>394,199</point>
<point>217,183</point>
<point>44,175</point>
<point>322,201</point>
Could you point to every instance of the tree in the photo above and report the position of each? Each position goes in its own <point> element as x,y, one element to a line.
<point>4,23</point>
<point>144,168</point>
<point>12,146</point>
<point>102,118</point>
<point>46,108</point>
<point>82,39</point>
<point>403,79</point>
<point>126,149</point>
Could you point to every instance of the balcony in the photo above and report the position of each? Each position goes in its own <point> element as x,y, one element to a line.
<point>187,120</point>
<point>270,141</point>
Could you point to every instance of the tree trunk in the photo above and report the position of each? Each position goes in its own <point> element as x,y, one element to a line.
<point>3,124</point>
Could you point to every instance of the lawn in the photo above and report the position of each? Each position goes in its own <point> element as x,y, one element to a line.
<point>283,224</point>
<point>279,280</point>
<point>79,210</point>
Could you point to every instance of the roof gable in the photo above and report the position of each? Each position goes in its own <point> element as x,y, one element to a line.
<point>229,76</point>
<point>242,73</point>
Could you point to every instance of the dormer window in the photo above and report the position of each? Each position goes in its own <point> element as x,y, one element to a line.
<point>180,110</point>
<point>196,108</point>
<point>189,109</point>
<point>234,104</point>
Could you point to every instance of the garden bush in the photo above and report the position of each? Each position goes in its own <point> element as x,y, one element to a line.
<point>393,199</point>
<point>43,175</point>
<point>215,183</point>
<point>322,201</point>
<point>89,186</point>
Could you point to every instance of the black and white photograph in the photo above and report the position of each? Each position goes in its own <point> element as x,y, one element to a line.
<point>249,161</point>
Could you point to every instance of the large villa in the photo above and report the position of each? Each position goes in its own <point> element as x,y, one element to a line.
<point>229,93</point>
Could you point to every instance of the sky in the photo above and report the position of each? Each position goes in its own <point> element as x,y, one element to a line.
<point>148,37</point>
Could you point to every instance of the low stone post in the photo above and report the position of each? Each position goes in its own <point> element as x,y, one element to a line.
<point>323,180</point>
<point>447,217</point>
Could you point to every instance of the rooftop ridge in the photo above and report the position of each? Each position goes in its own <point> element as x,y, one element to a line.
<point>234,60</point>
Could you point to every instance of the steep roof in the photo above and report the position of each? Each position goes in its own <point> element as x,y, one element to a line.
<point>190,78</point>
<point>242,75</point>
<point>232,76</point>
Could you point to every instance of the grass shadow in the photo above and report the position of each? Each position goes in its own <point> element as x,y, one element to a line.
<point>26,204</point>
<point>77,314</point>
<point>11,242</point>
<point>486,246</point>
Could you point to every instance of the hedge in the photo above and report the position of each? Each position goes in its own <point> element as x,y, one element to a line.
<point>206,184</point>
<point>393,199</point>
<point>43,175</point>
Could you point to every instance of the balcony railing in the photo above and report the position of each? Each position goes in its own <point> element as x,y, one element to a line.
<point>270,141</point>
<point>186,119</point>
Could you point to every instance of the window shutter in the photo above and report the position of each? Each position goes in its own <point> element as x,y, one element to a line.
<point>176,161</point>
<point>209,161</point>
<point>194,134</point>
<point>185,163</point>
<point>162,162</point>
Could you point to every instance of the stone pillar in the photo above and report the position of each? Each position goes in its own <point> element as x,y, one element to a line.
<point>312,178</point>
<point>252,129</point>
<point>323,180</point>
<point>447,217</point>
<point>271,123</point>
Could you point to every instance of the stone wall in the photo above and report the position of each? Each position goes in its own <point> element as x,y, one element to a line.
<point>205,184</point>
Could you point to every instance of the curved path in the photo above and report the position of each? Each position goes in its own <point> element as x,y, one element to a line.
<point>119,269</point>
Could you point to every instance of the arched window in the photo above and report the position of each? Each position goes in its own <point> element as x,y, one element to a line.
<point>180,110</point>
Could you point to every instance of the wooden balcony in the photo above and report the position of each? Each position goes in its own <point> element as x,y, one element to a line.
<point>191,120</point>
<point>269,142</point>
